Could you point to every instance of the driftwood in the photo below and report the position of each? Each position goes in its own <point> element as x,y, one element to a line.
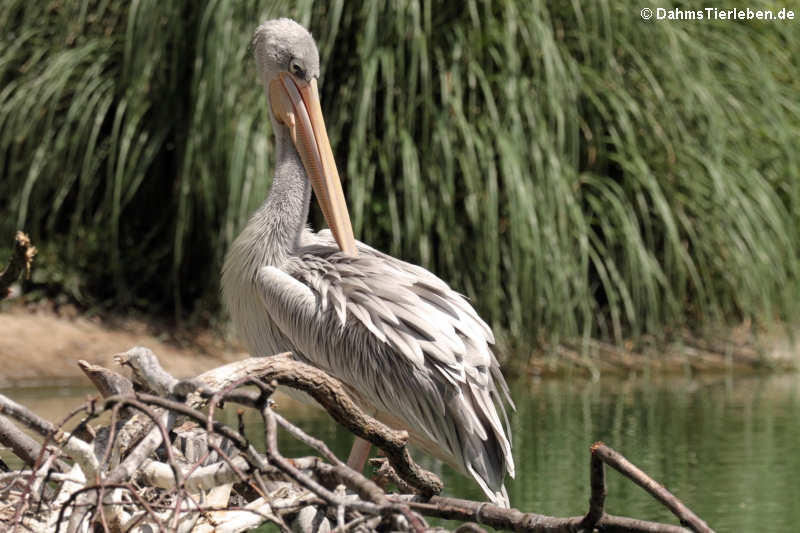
<point>162,462</point>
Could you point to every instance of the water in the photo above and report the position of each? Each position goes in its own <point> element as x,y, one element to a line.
<point>725,446</point>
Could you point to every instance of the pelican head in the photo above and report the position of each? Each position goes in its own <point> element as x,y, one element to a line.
<point>288,65</point>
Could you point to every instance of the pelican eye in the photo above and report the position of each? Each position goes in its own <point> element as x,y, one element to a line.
<point>297,70</point>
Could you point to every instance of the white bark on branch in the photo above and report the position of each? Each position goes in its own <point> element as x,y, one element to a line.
<point>160,475</point>
<point>75,448</point>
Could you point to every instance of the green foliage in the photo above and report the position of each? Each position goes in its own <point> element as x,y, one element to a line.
<point>576,170</point>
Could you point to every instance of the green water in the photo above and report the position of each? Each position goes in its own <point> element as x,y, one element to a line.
<point>726,446</point>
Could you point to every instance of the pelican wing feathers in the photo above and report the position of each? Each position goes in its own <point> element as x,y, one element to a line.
<point>408,346</point>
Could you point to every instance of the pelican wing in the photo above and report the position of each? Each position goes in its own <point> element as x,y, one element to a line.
<point>404,342</point>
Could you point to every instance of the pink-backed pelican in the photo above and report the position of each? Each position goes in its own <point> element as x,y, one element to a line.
<point>411,350</point>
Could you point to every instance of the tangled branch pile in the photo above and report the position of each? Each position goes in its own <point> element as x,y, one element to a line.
<point>210,477</point>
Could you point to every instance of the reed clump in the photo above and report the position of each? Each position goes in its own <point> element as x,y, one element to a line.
<point>575,170</point>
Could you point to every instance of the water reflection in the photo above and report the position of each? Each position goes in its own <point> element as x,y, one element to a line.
<point>722,446</point>
<point>726,446</point>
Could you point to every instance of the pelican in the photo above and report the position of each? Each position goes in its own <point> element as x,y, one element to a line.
<point>408,348</point>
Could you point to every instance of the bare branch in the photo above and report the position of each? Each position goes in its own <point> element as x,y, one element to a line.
<point>514,520</point>
<point>615,460</point>
<point>77,449</point>
<point>142,451</point>
<point>597,482</point>
<point>107,382</point>
<point>23,445</point>
<point>147,370</point>
<point>160,475</point>
<point>331,395</point>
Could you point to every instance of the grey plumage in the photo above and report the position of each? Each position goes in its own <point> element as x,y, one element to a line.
<point>411,350</point>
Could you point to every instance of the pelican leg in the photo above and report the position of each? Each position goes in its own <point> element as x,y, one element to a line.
<point>359,454</point>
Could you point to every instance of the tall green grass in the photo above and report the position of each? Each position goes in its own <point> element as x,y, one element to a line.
<point>576,170</point>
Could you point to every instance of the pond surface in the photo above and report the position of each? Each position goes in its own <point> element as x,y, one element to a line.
<point>726,446</point>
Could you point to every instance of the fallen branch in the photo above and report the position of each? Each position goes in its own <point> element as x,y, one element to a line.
<point>74,447</point>
<point>331,395</point>
<point>615,460</point>
<point>147,371</point>
<point>158,474</point>
<point>326,390</point>
<point>23,445</point>
<point>597,500</point>
<point>106,381</point>
<point>514,520</point>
